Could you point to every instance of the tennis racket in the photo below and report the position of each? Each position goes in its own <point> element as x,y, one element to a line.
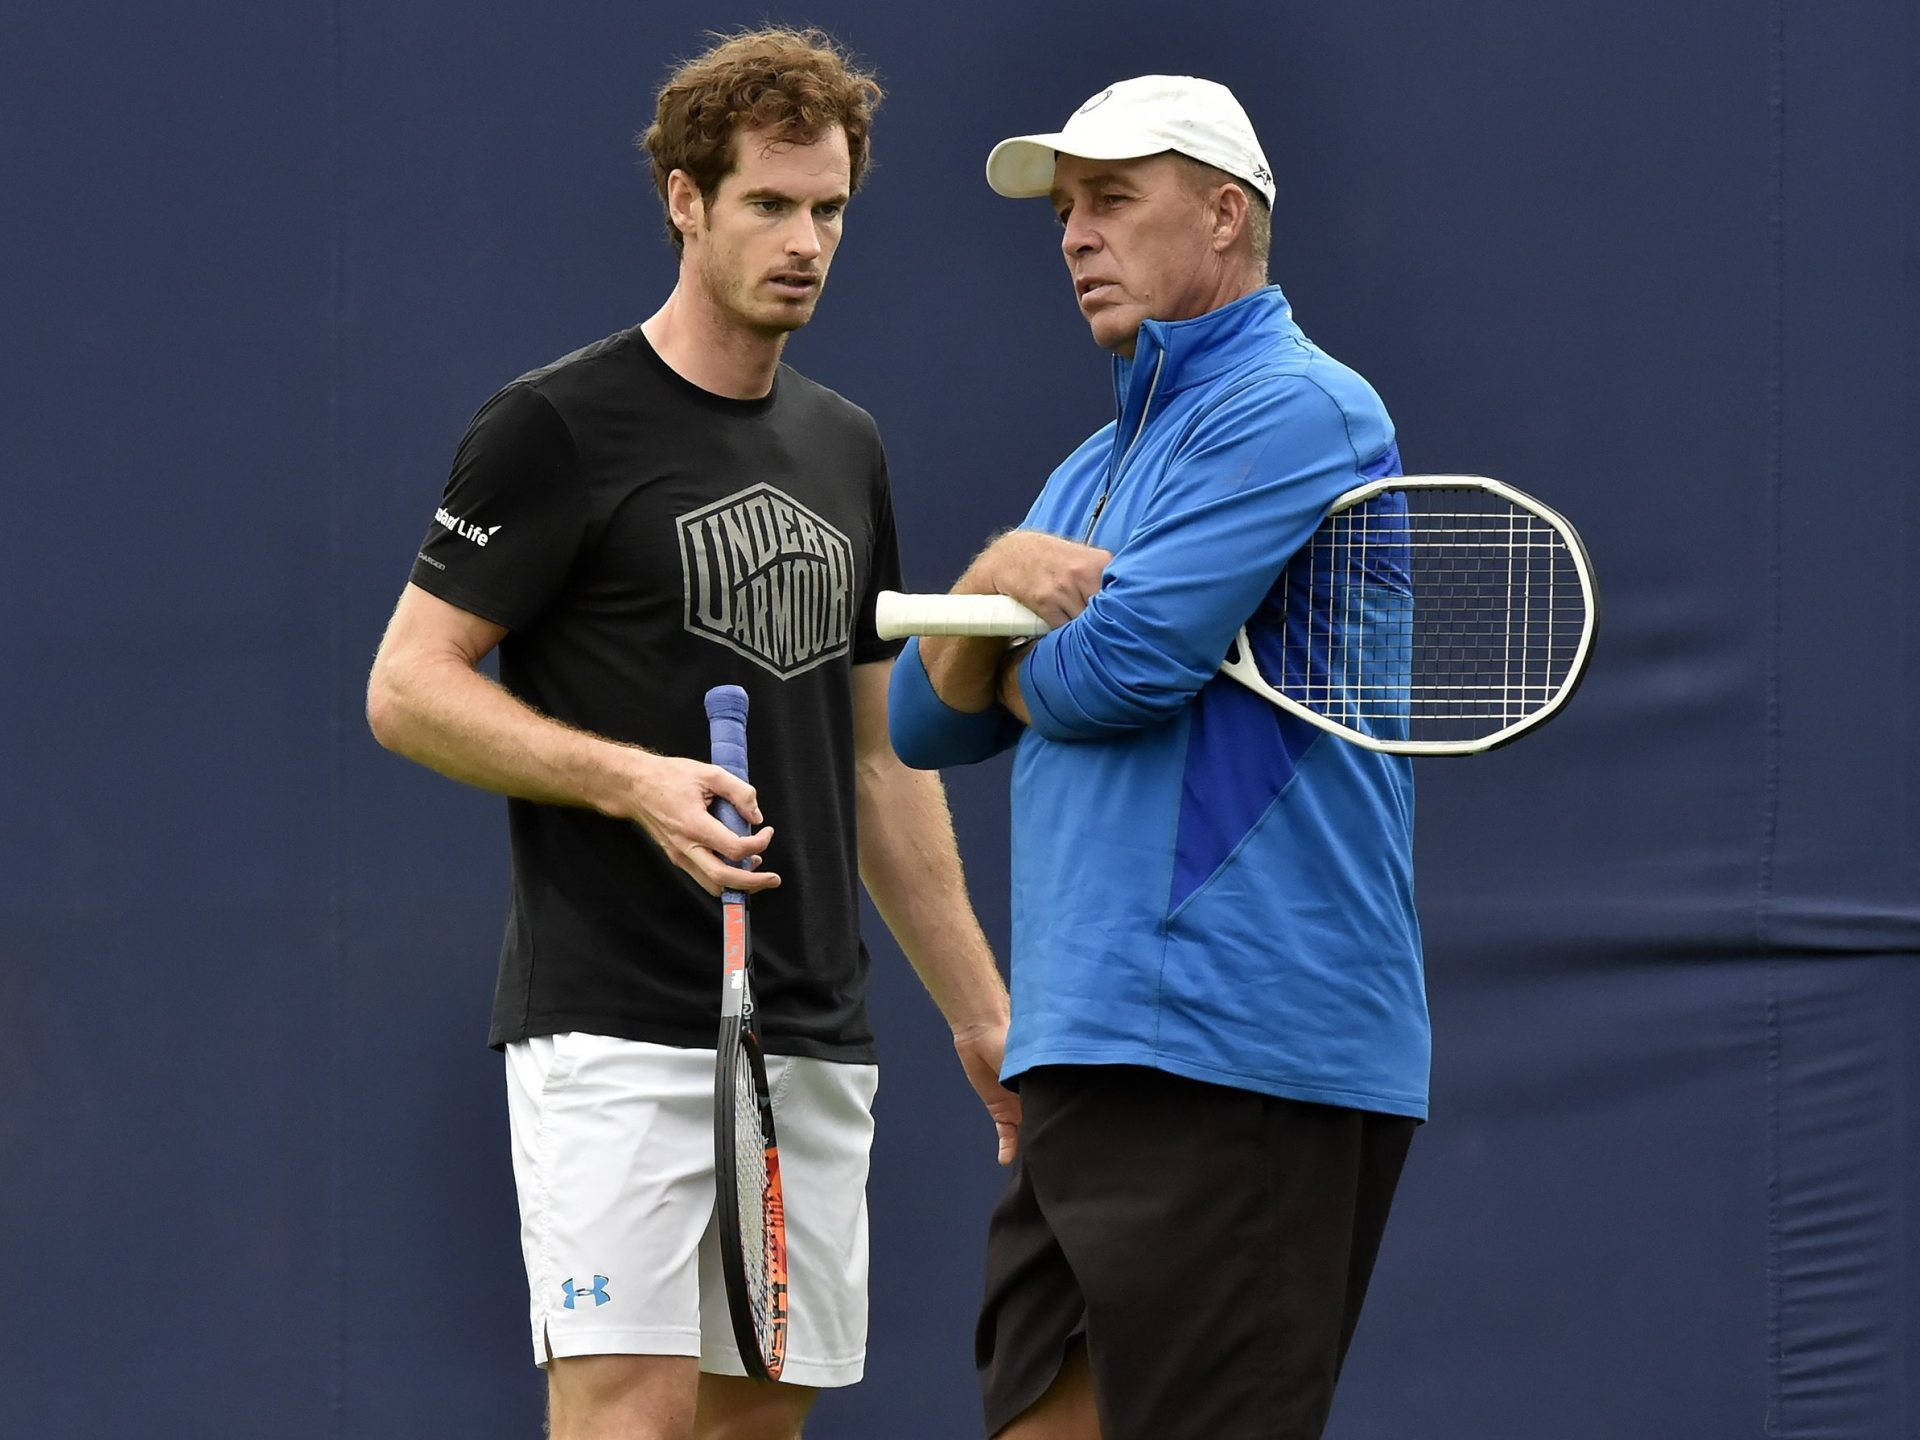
<point>749,1210</point>
<point>1428,615</point>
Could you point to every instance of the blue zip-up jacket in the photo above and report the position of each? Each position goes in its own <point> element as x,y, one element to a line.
<point>1202,883</point>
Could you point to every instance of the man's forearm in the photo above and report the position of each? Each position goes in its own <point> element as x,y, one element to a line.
<point>1006,685</point>
<point>964,670</point>
<point>1053,577</point>
<point>428,700</point>
<point>454,719</point>
<point>911,867</point>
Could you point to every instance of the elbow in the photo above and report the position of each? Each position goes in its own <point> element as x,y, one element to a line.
<point>385,710</point>
<point>1107,716</point>
<point>873,767</point>
<point>926,733</point>
<point>916,752</point>
<point>973,739</point>
<point>907,742</point>
<point>1088,693</point>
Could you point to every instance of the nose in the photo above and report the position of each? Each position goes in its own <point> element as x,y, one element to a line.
<point>803,238</point>
<point>1077,236</point>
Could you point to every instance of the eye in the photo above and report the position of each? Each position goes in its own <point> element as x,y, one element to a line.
<point>769,207</point>
<point>829,212</point>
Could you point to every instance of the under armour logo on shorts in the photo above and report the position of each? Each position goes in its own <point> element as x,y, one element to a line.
<point>598,1292</point>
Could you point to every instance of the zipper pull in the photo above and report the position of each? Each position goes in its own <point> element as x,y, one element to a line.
<point>1094,519</point>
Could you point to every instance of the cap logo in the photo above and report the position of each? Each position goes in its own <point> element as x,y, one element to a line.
<point>1263,175</point>
<point>1097,101</point>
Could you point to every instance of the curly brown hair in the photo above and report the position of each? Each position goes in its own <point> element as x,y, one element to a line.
<point>797,83</point>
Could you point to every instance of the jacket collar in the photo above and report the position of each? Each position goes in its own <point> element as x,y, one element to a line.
<point>1182,353</point>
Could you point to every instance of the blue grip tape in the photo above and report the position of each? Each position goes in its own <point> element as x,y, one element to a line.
<point>727,737</point>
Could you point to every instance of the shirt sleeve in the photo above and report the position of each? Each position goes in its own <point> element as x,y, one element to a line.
<point>883,570</point>
<point>513,516</point>
<point>1239,496</point>
<point>929,734</point>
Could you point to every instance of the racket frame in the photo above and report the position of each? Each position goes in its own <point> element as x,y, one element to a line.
<point>762,1351</point>
<point>763,1356</point>
<point>1239,664</point>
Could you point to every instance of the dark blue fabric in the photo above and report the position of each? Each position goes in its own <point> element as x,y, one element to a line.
<point>1243,751</point>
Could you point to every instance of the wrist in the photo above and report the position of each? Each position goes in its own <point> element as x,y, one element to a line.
<point>982,577</point>
<point>612,775</point>
<point>976,579</point>
<point>987,1022</point>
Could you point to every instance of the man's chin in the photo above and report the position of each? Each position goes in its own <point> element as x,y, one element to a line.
<point>783,318</point>
<point>1115,331</point>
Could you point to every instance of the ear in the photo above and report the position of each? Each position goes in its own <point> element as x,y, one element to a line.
<point>685,205</point>
<point>1228,214</point>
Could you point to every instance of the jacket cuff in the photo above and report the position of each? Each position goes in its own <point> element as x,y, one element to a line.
<point>928,733</point>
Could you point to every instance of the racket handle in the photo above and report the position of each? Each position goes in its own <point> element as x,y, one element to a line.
<point>727,739</point>
<point>896,615</point>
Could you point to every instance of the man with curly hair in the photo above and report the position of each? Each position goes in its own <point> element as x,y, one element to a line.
<point>669,509</point>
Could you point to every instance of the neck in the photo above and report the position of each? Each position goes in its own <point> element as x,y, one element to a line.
<point>1218,292</point>
<point>1234,282</point>
<point>704,345</point>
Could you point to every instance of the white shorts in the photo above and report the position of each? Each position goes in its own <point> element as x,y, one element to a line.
<point>613,1161</point>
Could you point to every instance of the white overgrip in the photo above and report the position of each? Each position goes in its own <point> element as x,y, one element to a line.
<point>897,615</point>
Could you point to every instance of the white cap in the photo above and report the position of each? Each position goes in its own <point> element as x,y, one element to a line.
<point>1147,115</point>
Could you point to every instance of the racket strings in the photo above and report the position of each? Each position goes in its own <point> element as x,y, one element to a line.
<point>1419,615</point>
<point>750,1194</point>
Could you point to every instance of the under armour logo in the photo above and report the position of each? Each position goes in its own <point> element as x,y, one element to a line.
<point>1263,175</point>
<point>598,1292</point>
<point>769,579</point>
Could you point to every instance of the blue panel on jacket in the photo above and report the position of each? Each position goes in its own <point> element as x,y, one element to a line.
<point>1242,752</point>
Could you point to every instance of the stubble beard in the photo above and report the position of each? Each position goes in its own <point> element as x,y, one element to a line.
<point>732,293</point>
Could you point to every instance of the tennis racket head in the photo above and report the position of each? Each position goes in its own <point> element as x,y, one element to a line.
<point>1428,615</point>
<point>750,1206</point>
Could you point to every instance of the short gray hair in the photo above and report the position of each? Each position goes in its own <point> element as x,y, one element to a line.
<point>1203,176</point>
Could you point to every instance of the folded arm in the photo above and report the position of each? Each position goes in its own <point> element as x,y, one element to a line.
<point>953,699</point>
<point>1242,494</point>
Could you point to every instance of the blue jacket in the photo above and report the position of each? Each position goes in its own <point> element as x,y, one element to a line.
<point>1201,882</point>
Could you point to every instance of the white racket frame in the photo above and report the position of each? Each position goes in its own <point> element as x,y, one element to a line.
<point>897,615</point>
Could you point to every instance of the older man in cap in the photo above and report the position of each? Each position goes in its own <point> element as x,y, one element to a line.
<point>1219,1018</point>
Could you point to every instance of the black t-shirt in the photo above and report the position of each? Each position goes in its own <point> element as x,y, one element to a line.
<point>642,540</point>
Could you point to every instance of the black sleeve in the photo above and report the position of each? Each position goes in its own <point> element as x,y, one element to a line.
<point>513,516</point>
<point>883,571</point>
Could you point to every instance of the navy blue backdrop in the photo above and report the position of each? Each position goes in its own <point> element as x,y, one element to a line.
<point>1655,262</point>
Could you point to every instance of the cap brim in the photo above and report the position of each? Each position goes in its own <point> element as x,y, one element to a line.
<point>1022,167</point>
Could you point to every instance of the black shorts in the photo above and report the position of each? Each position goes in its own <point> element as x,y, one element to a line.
<point>1210,1246</point>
